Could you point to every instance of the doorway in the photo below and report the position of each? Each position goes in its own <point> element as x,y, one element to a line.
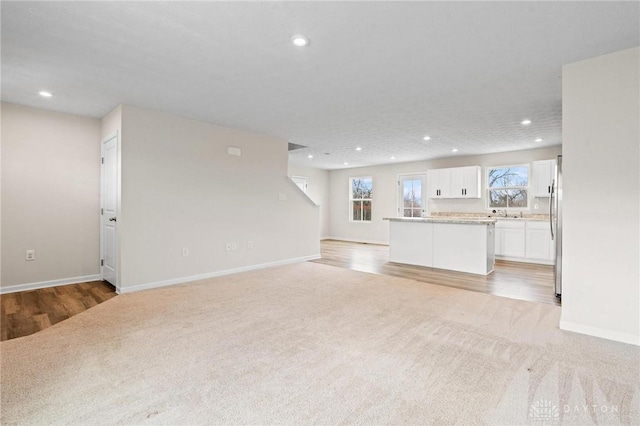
<point>108,210</point>
<point>412,198</point>
<point>302,182</point>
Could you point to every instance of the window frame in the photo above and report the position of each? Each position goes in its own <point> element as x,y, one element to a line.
<point>362,200</point>
<point>526,188</point>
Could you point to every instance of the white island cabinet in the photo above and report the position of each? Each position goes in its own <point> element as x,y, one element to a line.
<point>456,244</point>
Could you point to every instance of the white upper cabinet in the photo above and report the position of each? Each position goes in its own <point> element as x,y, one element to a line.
<point>457,182</point>
<point>465,182</point>
<point>543,174</point>
<point>439,183</point>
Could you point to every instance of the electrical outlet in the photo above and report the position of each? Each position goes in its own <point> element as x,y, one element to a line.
<point>249,244</point>
<point>185,251</point>
<point>30,255</point>
<point>234,246</point>
<point>228,246</point>
<point>536,206</point>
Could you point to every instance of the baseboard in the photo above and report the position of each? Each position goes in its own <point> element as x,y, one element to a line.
<point>182,280</point>
<point>600,332</point>
<point>524,260</point>
<point>352,240</point>
<point>44,284</point>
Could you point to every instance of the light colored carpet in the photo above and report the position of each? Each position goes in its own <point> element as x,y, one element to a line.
<point>315,344</point>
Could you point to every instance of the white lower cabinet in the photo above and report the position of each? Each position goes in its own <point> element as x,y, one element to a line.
<point>524,241</point>
<point>513,238</point>
<point>539,246</point>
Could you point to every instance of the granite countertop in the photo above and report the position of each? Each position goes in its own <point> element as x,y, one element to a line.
<point>528,219</point>
<point>443,219</point>
<point>515,217</point>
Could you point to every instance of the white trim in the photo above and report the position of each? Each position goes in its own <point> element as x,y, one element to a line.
<point>51,283</point>
<point>525,260</point>
<point>600,332</point>
<point>353,240</point>
<point>182,280</point>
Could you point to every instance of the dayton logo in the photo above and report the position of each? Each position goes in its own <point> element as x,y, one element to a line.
<point>543,411</point>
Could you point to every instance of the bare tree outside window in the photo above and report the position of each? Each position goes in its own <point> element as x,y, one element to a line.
<point>508,187</point>
<point>361,197</point>
<point>412,197</point>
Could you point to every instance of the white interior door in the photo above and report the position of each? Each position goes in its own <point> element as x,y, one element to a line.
<point>302,182</point>
<point>412,195</point>
<point>108,218</point>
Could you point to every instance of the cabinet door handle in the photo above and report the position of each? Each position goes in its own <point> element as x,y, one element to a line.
<point>548,189</point>
<point>462,192</point>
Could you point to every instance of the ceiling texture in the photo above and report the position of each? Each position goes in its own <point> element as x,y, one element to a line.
<point>376,75</point>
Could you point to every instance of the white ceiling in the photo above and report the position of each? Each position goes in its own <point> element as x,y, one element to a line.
<point>379,75</point>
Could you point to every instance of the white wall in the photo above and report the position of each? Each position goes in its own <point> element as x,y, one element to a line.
<point>385,191</point>
<point>601,159</point>
<point>318,191</point>
<point>180,188</point>
<point>50,196</point>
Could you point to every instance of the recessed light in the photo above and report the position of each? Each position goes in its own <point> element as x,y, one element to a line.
<point>427,138</point>
<point>300,40</point>
<point>392,158</point>
<point>346,164</point>
<point>45,94</point>
<point>358,149</point>
<point>454,150</point>
<point>309,156</point>
<point>526,122</point>
<point>539,140</point>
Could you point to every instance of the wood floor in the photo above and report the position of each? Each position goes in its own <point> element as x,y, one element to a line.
<point>27,312</point>
<point>516,280</point>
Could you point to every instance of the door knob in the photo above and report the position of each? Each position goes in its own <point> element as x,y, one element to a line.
<point>112,219</point>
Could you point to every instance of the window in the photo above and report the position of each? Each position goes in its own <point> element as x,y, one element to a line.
<point>411,190</point>
<point>508,187</point>
<point>360,198</point>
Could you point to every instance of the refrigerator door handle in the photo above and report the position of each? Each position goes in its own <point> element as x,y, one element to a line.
<point>553,184</point>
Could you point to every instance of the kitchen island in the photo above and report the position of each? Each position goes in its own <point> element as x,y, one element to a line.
<point>457,244</point>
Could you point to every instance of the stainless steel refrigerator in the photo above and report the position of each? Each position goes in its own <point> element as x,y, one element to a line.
<point>555,224</point>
